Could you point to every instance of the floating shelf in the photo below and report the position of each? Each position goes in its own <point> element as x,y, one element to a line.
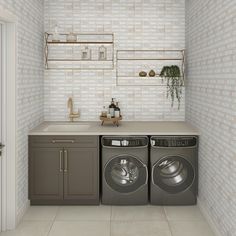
<point>131,62</point>
<point>67,55</point>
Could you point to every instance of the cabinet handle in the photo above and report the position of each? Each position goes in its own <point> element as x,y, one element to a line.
<point>66,161</point>
<point>61,157</point>
<point>63,141</point>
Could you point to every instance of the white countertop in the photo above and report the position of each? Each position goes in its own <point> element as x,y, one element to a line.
<point>125,128</point>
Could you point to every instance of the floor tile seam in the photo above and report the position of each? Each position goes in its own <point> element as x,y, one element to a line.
<point>87,220</point>
<point>39,220</point>
<point>171,232</point>
<point>186,219</point>
<point>48,233</point>
<point>110,220</point>
<point>53,221</point>
<point>134,221</point>
<point>165,212</point>
<point>183,220</point>
<point>137,220</point>
<point>57,213</point>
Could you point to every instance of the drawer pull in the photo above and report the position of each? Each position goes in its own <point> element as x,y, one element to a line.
<point>63,141</point>
<point>66,161</point>
<point>61,157</point>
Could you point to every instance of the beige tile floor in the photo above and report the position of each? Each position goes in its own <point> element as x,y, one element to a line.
<point>112,221</point>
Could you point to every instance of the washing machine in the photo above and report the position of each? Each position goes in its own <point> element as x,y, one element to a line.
<point>124,170</point>
<point>174,170</point>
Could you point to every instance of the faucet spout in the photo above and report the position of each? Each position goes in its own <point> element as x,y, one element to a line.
<point>72,114</point>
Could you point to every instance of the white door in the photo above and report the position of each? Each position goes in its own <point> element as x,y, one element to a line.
<point>1,73</point>
<point>1,144</point>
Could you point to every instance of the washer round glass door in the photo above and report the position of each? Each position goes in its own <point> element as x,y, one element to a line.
<point>125,173</point>
<point>173,174</point>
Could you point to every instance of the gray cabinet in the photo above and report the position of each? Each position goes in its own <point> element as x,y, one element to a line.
<point>81,173</point>
<point>63,170</point>
<point>45,176</point>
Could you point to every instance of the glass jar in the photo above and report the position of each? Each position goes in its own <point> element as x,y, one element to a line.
<point>86,53</point>
<point>102,53</point>
<point>71,37</point>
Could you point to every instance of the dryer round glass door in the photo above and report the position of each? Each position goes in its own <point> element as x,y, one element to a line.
<point>173,174</point>
<point>125,173</point>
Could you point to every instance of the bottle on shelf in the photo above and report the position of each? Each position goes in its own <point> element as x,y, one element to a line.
<point>55,35</point>
<point>104,112</point>
<point>112,108</point>
<point>117,110</point>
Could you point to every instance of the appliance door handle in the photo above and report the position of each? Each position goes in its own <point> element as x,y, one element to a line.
<point>65,161</point>
<point>1,147</point>
<point>63,141</point>
<point>61,158</point>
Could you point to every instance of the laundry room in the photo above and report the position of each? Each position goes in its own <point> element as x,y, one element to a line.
<point>117,118</point>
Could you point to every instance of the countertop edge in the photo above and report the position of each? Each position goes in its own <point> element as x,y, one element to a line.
<point>167,128</point>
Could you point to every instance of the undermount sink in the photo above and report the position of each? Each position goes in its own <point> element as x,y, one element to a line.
<point>67,127</point>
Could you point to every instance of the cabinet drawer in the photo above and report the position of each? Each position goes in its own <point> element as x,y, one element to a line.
<point>63,141</point>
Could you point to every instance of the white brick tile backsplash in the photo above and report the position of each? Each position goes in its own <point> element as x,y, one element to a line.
<point>137,25</point>
<point>211,104</point>
<point>30,31</point>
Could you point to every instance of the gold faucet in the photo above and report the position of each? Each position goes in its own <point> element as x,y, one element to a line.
<point>72,114</point>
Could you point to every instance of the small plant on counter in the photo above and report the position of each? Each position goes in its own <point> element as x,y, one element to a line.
<point>175,83</point>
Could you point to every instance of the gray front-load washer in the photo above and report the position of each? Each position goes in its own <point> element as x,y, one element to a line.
<point>174,170</point>
<point>124,170</point>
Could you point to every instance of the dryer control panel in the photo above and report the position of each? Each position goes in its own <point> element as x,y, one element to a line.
<point>125,141</point>
<point>174,141</point>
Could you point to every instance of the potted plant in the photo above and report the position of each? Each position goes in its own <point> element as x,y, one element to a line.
<point>175,82</point>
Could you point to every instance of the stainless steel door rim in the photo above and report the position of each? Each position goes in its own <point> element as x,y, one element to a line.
<point>173,174</point>
<point>125,173</point>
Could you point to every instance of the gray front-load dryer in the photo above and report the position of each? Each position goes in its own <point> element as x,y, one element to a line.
<point>124,170</point>
<point>174,170</point>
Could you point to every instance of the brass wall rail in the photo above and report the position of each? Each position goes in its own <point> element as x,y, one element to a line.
<point>48,42</point>
<point>130,53</point>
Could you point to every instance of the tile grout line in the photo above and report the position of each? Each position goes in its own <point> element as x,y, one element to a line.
<point>53,221</point>
<point>168,221</point>
<point>110,219</point>
<point>170,228</point>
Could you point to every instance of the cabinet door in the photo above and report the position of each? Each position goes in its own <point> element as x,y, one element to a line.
<point>46,174</point>
<point>81,175</point>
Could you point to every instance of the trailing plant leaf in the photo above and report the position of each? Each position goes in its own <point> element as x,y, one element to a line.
<point>174,83</point>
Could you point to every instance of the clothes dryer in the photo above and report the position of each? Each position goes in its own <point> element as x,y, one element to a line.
<point>174,170</point>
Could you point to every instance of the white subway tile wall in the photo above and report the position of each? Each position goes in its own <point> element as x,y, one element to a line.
<point>30,30</point>
<point>137,25</point>
<point>211,104</point>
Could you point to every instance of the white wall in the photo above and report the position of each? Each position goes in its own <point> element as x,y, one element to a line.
<point>211,104</point>
<point>30,30</point>
<point>137,24</point>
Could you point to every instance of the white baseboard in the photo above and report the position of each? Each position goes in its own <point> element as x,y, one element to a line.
<point>208,218</point>
<point>21,215</point>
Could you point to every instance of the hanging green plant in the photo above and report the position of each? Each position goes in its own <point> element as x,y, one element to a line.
<point>175,83</point>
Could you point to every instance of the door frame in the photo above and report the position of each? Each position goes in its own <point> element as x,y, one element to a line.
<point>9,120</point>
